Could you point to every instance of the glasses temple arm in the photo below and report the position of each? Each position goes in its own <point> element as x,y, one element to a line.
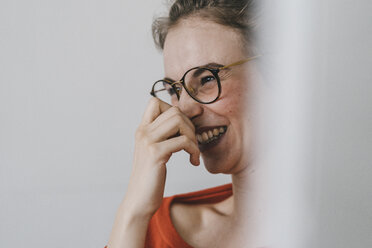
<point>239,62</point>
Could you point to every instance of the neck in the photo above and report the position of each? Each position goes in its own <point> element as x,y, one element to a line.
<point>246,191</point>
<point>248,203</point>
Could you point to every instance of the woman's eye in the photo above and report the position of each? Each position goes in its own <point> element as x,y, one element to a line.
<point>178,89</point>
<point>172,91</point>
<point>207,79</point>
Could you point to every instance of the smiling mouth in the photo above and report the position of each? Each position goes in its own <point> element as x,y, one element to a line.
<point>210,135</point>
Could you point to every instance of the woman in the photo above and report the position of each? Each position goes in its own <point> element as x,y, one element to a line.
<point>205,44</point>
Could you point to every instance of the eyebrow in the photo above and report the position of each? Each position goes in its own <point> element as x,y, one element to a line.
<point>211,65</point>
<point>169,80</point>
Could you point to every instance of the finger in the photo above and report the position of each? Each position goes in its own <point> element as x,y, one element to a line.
<point>175,125</point>
<point>154,108</point>
<point>181,143</point>
<point>170,113</point>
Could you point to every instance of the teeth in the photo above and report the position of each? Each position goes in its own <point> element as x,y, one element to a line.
<point>208,136</point>
<point>205,136</point>
<point>216,132</point>
<point>199,138</point>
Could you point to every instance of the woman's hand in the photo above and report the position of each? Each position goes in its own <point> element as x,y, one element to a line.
<point>164,130</point>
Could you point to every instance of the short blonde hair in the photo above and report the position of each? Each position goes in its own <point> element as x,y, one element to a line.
<point>237,14</point>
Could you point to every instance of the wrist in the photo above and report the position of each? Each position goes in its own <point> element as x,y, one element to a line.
<point>130,227</point>
<point>131,212</point>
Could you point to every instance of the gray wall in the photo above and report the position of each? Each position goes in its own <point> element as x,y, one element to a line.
<point>75,78</point>
<point>74,81</point>
<point>343,108</point>
<point>317,61</point>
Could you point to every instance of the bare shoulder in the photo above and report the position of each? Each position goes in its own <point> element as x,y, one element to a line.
<point>186,218</point>
<point>196,222</point>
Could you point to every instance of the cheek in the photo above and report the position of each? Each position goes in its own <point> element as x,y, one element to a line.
<point>233,99</point>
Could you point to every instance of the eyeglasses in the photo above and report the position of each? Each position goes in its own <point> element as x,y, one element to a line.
<point>202,83</point>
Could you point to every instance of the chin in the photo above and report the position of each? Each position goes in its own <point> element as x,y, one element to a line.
<point>214,170</point>
<point>216,166</point>
<point>226,163</point>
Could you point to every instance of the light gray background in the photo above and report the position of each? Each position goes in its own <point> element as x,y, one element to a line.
<point>318,59</point>
<point>75,79</point>
<point>342,93</point>
<point>67,118</point>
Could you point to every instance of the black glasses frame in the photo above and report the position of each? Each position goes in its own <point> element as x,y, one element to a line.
<point>214,71</point>
<point>189,91</point>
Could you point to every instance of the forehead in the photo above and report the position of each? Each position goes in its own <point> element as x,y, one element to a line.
<point>195,41</point>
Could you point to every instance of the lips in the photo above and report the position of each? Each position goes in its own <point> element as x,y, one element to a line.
<point>207,135</point>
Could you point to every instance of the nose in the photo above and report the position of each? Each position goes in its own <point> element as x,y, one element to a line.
<point>189,106</point>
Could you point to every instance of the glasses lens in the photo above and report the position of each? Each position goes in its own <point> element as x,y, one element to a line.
<point>165,92</point>
<point>202,84</point>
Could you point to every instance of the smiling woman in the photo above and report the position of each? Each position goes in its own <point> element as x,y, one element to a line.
<point>199,107</point>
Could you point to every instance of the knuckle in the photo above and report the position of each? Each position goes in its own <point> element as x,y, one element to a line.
<point>197,150</point>
<point>185,139</point>
<point>175,109</point>
<point>139,133</point>
<point>153,100</point>
<point>192,127</point>
<point>142,134</point>
<point>146,140</point>
<point>151,149</point>
<point>193,145</point>
<point>179,119</point>
<point>154,150</point>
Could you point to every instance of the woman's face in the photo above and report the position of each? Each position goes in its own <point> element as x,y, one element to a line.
<point>195,42</point>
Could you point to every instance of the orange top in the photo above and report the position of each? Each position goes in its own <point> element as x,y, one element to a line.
<point>162,234</point>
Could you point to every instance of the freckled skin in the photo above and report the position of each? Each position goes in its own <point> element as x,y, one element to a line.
<point>194,42</point>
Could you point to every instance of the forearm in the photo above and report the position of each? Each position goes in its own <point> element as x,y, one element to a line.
<point>129,229</point>
<point>153,149</point>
